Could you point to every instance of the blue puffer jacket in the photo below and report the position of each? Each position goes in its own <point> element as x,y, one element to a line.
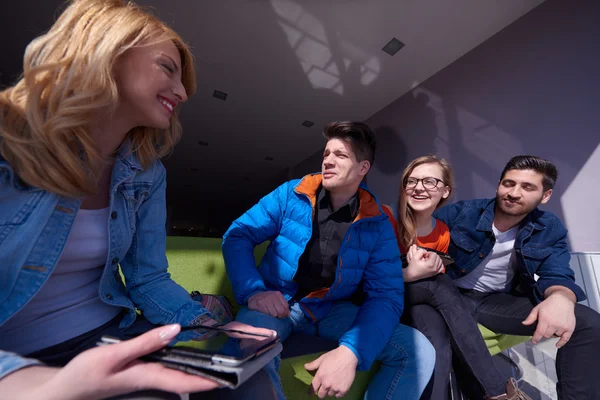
<point>368,254</point>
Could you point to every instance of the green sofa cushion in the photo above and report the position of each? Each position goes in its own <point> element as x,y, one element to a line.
<point>497,343</point>
<point>296,379</point>
<point>197,264</point>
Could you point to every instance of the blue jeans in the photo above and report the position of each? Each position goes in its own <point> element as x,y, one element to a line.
<point>407,361</point>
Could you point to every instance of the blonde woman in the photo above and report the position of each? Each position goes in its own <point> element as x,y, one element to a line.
<point>82,191</point>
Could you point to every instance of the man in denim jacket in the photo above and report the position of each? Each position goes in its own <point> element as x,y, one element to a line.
<point>512,265</point>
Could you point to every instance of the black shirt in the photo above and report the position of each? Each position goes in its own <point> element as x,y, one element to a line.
<point>318,263</point>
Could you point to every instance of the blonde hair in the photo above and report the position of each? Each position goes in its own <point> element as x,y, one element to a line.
<point>407,222</point>
<point>67,81</point>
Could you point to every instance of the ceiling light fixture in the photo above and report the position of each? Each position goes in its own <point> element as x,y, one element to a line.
<point>393,46</point>
<point>202,143</point>
<point>217,94</point>
<point>269,158</point>
<point>194,169</point>
<point>308,123</point>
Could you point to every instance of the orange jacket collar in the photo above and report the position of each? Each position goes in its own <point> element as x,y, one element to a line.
<point>368,205</point>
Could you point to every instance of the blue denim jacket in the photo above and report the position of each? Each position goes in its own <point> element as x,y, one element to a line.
<point>540,246</point>
<point>35,225</point>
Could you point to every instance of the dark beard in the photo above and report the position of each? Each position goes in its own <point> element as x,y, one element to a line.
<point>521,211</point>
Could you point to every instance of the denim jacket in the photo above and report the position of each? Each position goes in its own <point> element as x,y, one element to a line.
<point>35,225</point>
<point>540,246</point>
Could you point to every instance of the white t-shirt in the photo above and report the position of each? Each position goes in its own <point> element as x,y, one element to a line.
<point>496,271</point>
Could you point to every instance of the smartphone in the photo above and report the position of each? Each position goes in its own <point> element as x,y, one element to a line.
<point>446,259</point>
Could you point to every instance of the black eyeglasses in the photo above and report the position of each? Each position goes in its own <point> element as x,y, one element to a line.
<point>428,183</point>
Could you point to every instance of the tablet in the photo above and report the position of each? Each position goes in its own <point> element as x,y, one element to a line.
<point>226,360</point>
<point>217,349</point>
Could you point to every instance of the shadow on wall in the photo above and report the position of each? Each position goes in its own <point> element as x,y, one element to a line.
<point>391,151</point>
<point>501,100</point>
<point>330,61</point>
<point>396,142</point>
<point>472,169</point>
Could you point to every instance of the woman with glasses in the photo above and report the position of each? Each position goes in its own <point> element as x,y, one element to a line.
<point>427,183</point>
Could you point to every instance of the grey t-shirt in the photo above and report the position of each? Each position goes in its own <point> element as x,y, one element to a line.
<point>496,271</point>
<point>68,304</point>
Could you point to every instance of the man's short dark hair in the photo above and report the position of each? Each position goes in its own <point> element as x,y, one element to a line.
<point>357,134</point>
<point>537,164</point>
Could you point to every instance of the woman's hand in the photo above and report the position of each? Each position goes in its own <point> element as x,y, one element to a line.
<point>421,264</point>
<point>110,370</point>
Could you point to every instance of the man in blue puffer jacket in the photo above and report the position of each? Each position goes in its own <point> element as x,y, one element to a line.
<point>328,238</point>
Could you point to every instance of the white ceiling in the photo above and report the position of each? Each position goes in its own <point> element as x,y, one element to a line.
<point>285,61</point>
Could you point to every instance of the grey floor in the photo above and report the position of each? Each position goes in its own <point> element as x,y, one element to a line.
<point>537,365</point>
<point>536,373</point>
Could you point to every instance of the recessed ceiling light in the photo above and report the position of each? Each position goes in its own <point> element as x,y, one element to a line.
<point>217,94</point>
<point>194,169</point>
<point>393,46</point>
<point>269,158</point>
<point>307,123</point>
<point>201,143</point>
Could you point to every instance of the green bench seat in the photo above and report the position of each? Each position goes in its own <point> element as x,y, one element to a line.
<point>197,264</point>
